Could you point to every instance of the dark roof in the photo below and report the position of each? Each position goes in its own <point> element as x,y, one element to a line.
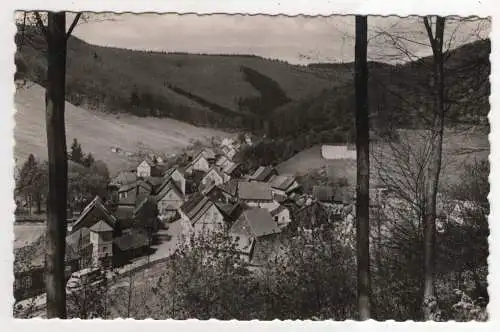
<point>323,193</point>
<point>169,172</point>
<point>196,206</point>
<point>282,182</point>
<point>230,167</point>
<point>127,187</point>
<point>255,222</point>
<point>154,181</point>
<point>125,178</point>
<point>101,226</point>
<point>143,201</point>
<point>230,187</point>
<point>96,204</point>
<point>254,191</point>
<point>263,173</point>
<point>131,240</point>
<point>124,212</point>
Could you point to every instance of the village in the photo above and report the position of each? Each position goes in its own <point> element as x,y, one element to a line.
<point>158,207</point>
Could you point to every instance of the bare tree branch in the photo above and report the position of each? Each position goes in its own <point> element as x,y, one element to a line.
<point>73,25</point>
<point>40,25</point>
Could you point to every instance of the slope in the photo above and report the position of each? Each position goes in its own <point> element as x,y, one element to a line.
<point>98,132</point>
<point>200,89</point>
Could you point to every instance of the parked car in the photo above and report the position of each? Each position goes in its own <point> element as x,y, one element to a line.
<point>89,277</point>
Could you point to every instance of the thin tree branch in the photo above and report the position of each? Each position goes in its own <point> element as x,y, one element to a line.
<point>73,25</point>
<point>39,22</point>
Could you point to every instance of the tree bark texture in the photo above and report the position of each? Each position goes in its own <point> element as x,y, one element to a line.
<point>58,166</point>
<point>430,306</point>
<point>363,168</point>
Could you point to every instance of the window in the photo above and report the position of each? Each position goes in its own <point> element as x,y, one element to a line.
<point>26,282</point>
<point>276,218</point>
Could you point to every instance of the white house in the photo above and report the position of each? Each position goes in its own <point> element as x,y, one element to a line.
<point>144,169</point>
<point>169,199</point>
<point>199,163</point>
<point>281,216</point>
<point>213,177</point>
<point>178,178</point>
<point>200,215</point>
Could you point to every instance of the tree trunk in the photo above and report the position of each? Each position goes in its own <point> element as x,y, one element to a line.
<point>363,168</point>
<point>58,167</point>
<point>430,307</point>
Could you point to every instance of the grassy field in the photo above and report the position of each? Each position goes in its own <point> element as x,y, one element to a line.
<point>98,132</point>
<point>26,233</point>
<point>459,148</point>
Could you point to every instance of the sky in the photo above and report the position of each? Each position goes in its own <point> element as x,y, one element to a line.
<point>298,40</point>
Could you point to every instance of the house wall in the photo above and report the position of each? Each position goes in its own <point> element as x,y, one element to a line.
<point>201,165</point>
<point>212,177</point>
<point>170,202</point>
<point>102,244</point>
<point>143,170</point>
<point>283,217</point>
<point>210,221</point>
<point>180,180</point>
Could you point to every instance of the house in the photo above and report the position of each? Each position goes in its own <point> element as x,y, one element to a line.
<point>101,238</point>
<point>130,194</point>
<point>263,174</point>
<point>282,185</point>
<point>170,198</point>
<point>281,216</point>
<point>222,161</point>
<point>232,170</point>
<point>213,177</point>
<point>199,163</point>
<point>124,178</point>
<point>144,169</point>
<point>230,190</point>
<point>253,225</point>
<point>229,151</point>
<point>177,177</point>
<point>230,211</point>
<point>256,194</point>
<point>142,215</point>
<point>200,215</point>
<point>94,212</point>
<point>130,244</point>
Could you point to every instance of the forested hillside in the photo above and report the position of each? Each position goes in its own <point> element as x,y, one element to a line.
<point>313,103</point>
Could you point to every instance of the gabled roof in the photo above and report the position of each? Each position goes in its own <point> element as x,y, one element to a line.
<point>222,161</point>
<point>214,169</point>
<point>100,226</point>
<point>196,206</point>
<point>263,173</point>
<point>154,181</point>
<point>127,187</point>
<point>254,191</point>
<point>230,167</point>
<point>282,182</point>
<point>168,185</point>
<point>96,204</point>
<point>230,187</point>
<point>255,222</point>
<point>169,172</point>
<point>142,202</point>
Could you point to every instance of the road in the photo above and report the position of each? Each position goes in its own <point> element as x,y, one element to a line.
<point>163,250</point>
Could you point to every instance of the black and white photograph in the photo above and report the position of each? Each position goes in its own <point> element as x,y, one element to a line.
<point>251,167</point>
